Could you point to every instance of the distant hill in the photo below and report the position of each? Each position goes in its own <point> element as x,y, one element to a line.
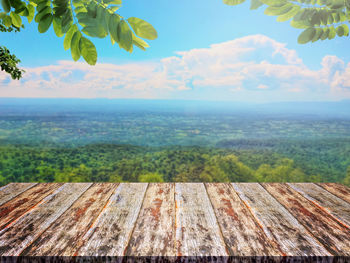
<point>326,109</point>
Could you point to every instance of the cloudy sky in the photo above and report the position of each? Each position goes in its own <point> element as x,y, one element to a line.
<point>205,51</point>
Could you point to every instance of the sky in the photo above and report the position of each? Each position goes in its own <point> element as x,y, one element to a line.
<point>205,50</point>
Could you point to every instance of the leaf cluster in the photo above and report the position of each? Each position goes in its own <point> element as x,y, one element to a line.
<point>319,19</point>
<point>77,20</point>
<point>8,63</point>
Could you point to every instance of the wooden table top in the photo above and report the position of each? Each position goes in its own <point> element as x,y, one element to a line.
<point>174,221</point>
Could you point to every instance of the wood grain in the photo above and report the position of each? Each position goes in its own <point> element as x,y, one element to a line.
<point>278,223</point>
<point>242,234</point>
<point>11,190</point>
<point>338,190</point>
<point>335,237</point>
<point>63,237</point>
<point>24,202</point>
<point>110,234</point>
<point>154,233</point>
<point>197,230</point>
<point>337,207</point>
<point>16,237</point>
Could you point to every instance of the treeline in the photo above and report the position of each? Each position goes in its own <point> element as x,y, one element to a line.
<point>328,157</point>
<point>117,163</point>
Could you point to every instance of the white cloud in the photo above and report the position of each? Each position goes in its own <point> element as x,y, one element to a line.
<point>252,68</point>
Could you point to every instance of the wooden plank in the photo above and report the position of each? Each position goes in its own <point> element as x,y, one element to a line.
<point>24,202</point>
<point>338,190</point>
<point>110,234</point>
<point>197,230</point>
<point>337,207</point>
<point>154,232</point>
<point>242,233</point>
<point>16,237</point>
<point>11,190</point>
<point>278,223</point>
<point>335,237</point>
<point>63,237</point>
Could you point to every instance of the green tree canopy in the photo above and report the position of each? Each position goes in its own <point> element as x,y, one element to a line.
<point>151,178</point>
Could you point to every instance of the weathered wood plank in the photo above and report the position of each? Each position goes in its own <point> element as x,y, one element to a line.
<point>111,232</point>
<point>197,230</point>
<point>338,190</point>
<point>278,223</point>
<point>337,207</point>
<point>9,191</point>
<point>242,234</point>
<point>335,237</point>
<point>15,238</point>
<point>24,202</point>
<point>63,237</point>
<point>154,232</point>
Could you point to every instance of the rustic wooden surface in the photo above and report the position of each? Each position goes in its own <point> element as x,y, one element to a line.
<point>10,191</point>
<point>111,233</point>
<point>154,232</point>
<point>339,208</point>
<point>174,220</point>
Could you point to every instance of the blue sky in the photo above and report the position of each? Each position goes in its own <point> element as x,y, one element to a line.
<point>185,27</point>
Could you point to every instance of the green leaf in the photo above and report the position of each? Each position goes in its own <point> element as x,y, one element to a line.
<point>280,10</point>
<point>335,4</point>
<point>45,11</point>
<point>124,35</point>
<point>139,42</point>
<point>22,11</point>
<point>317,35</point>
<point>6,5</point>
<point>324,16</point>
<point>233,2</point>
<point>102,18</point>
<point>17,4</point>
<point>274,2</point>
<point>340,31</point>
<point>255,4</point>
<point>332,33</point>
<point>142,28</point>
<point>7,20</point>
<point>45,23</point>
<point>306,35</point>
<point>42,5</point>
<point>68,38</point>
<point>16,19</point>
<point>325,33</point>
<point>80,9</point>
<point>88,51</point>
<point>75,46</point>
<point>113,27</point>
<point>92,9</point>
<point>67,20</point>
<point>95,31</point>
<point>291,13</point>
<point>300,24</point>
<point>346,30</point>
<point>31,11</point>
<point>59,10</point>
<point>57,26</point>
<point>113,2</point>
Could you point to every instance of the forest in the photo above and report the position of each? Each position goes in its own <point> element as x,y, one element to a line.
<point>79,143</point>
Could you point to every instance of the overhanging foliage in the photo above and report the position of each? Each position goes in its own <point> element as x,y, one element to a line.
<point>320,19</point>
